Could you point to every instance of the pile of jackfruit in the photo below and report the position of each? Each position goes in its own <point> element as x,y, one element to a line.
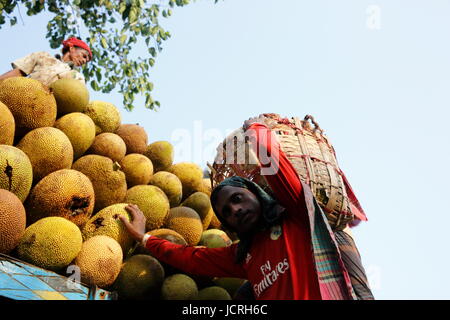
<point>68,169</point>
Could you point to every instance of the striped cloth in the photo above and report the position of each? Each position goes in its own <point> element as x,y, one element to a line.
<point>334,280</point>
<point>353,264</point>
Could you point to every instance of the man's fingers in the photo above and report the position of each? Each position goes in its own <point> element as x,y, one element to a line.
<point>124,220</point>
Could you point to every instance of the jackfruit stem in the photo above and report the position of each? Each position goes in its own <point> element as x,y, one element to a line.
<point>116,166</point>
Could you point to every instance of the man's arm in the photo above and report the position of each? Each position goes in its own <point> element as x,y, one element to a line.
<point>12,73</point>
<point>216,262</point>
<point>211,262</point>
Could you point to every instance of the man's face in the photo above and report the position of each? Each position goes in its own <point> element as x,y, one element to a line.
<point>240,208</point>
<point>79,56</point>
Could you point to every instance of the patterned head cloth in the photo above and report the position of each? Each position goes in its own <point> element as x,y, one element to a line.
<point>266,201</point>
<point>75,42</point>
<point>270,210</point>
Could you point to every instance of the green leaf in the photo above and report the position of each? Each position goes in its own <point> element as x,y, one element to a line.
<point>104,43</point>
<point>152,51</point>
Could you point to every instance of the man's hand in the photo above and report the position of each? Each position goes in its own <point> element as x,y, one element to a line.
<point>258,119</point>
<point>136,227</point>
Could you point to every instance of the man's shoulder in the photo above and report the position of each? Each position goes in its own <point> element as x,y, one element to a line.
<point>42,54</point>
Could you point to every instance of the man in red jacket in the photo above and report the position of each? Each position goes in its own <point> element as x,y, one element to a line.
<point>286,250</point>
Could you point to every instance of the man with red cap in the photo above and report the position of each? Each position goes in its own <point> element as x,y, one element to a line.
<point>46,68</point>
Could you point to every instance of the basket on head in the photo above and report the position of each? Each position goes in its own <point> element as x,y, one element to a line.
<point>310,153</point>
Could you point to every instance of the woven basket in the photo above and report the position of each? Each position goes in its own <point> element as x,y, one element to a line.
<point>310,153</point>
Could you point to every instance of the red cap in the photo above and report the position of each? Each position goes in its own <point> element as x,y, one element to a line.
<point>75,42</point>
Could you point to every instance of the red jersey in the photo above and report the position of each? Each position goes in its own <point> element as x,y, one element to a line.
<point>280,263</point>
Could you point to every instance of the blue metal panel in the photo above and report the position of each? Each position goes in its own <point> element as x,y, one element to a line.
<point>22,281</point>
<point>7,282</point>
<point>20,294</point>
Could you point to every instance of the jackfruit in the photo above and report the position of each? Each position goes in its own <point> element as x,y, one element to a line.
<point>50,243</point>
<point>109,181</point>
<point>138,169</point>
<point>108,145</point>
<point>215,222</point>
<point>80,129</point>
<point>169,235</point>
<point>65,193</point>
<point>190,175</point>
<point>229,284</point>
<point>49,150</point>
<point>140,278</point>
<point>200,202</point>
<point>206,221</point>
<point>186,222</point>
<point>16,172</point>
<point>206,186</point>
<point>30,102</point>
<point>170,184</point>
<point>134,136</point>
<point>12,221</point>
<point>214,238</point>
<point>179,287</point>
<point>161,153</point>
<point>100,261</point>
<point>71,95</point>
<point>105,115</point>
<point>152,201</point>
<point>7,125</point>
<point>213,293</point>
<point>106,222</point>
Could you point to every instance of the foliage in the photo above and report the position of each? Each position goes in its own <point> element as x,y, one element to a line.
<point>115,28</point>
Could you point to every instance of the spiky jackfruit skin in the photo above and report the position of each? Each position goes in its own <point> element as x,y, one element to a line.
<point>7,125</point>
<point>134,137</point>
<point>100,261</point>
<point>48,149</point>
<point>16,171</point>
<point>138,169</point>
<point>106,222</point>
<point>206,221</point>
<point>152,201</point>
<point>213,293</point>
<point>108,145</point>
<point>109,181</point>
<point>206,186</point>
<point>50,243</point>
<point>170,184</point>
<point>80,129</point>
<point>31,103</point>
<point>105,115</point>
<point>161,153</point>
<point>190,175</point>
<point>71,96</point>
<point>186,222</point>
<point>215,238</point>
<point>12,221</point>
<point>179,287</point>
<point>200,202</point>
<point>140,278</point>
<point>65,193</point>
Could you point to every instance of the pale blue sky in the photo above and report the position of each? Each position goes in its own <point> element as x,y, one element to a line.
<point>381,95</point>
